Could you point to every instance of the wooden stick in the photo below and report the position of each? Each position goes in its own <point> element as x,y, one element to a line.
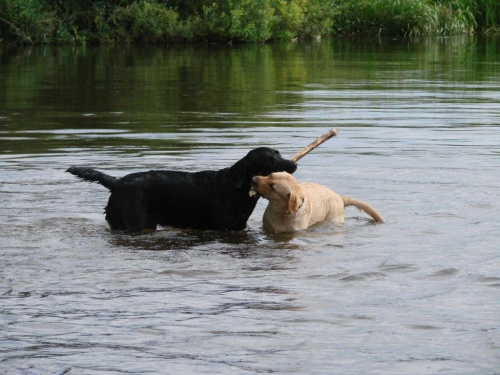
<point>325,137</point>
<point>299,155</point>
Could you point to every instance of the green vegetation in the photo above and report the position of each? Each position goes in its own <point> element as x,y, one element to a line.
<point>163,21</point>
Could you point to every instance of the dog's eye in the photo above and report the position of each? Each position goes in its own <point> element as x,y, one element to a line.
<point>271,186</point>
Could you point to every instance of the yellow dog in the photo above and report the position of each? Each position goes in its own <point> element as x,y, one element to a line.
<point>293,206</point>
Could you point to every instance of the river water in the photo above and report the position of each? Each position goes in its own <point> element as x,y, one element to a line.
<point>419,139</point>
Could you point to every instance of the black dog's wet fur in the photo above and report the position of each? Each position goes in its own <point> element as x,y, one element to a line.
<point>215,200</point>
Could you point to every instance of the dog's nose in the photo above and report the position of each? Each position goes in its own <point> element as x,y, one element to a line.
<point>293,168</point>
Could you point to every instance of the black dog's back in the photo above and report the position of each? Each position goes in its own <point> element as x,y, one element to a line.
<point>176,198</point>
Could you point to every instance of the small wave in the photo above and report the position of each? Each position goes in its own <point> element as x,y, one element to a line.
<point>363,276</point>
<point>446,272</point>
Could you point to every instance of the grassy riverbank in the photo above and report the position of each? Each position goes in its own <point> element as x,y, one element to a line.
<point>160,21</point>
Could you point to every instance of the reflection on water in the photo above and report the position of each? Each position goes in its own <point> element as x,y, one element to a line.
<point>418,139</point>
<point>163,97</point>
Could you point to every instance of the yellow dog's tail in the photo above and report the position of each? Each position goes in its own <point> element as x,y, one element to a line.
<point>365,207</point>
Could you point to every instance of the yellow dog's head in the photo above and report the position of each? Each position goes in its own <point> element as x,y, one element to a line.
<point>281,189</point>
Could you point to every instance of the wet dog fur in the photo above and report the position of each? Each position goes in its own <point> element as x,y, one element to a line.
<point>295,206</point>
<point>212,200</point>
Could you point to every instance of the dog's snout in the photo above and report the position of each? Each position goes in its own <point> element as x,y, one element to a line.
<point>255,180</point>
<point>293,167</point>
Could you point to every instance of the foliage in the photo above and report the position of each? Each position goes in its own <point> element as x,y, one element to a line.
<point>453,17</point>
<point>26,21</point>
<point>485,12</point>
<point>147,22</point>
<point>163,21</point>
<point>319,17</point>
<point>251,20</point>
<point>384,17</point>
<point>239,20</point>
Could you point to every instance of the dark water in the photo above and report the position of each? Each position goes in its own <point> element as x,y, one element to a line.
<point>419,139</point>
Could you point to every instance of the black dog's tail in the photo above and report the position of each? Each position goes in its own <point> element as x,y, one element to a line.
<point>91,175</point>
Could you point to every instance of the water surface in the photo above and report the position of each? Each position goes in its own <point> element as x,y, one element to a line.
<point>418,139</point>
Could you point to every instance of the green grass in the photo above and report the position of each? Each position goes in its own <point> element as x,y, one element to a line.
<point>384,17</point>
<point>485,12</point>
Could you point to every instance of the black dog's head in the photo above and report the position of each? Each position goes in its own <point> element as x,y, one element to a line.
<point>261,161</point>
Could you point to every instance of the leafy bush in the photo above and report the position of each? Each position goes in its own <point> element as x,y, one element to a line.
<point>288,18</point>
<point>384,17</point>
<point>147,21</point>
<point>26,21</point>
<point>319,18</point>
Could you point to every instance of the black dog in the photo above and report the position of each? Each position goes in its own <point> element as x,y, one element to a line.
<point>215,200</point>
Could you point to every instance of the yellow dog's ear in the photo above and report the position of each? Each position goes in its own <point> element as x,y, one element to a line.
<point>293,203</point>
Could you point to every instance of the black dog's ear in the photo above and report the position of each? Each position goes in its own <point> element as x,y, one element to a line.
<point>240,181</point>
<point>239,171</point>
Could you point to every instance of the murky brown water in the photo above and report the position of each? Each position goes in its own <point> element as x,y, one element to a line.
<point>419,139</point>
